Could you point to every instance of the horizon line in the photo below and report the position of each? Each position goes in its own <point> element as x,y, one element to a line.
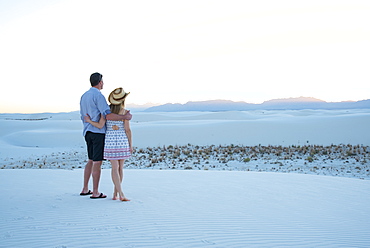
<point>149,105</point>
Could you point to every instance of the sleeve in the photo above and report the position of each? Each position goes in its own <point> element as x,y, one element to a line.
<point>102,105</point>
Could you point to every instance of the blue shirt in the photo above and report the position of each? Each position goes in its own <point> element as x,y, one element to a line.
<point>93,103</point>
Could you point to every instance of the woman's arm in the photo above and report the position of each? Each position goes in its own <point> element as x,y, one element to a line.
<point>128,133</point>
<point>99,124</point>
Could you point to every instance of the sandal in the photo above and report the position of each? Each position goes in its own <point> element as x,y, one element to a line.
<point>100,196</point>
<point>87,193</point>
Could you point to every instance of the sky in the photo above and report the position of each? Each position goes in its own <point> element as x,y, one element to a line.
<point>179,51</point>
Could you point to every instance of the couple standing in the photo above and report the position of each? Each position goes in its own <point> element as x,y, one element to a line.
<point>107,134</point>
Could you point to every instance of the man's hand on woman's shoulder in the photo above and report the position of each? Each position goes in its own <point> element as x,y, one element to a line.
<point>115,117</point>
<point>128,115</point>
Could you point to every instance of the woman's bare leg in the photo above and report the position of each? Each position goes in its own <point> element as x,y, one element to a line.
<point>116,179</point>
<point>120,169</point>
<point>121,162</point>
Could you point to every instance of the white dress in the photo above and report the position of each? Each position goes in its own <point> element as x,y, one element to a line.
<point>116,145</point>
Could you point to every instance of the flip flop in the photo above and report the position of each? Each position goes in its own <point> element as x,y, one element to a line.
<point>87,193</point>
<point>100,196</point>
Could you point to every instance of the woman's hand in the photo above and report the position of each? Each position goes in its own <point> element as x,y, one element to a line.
<point>87,118</point>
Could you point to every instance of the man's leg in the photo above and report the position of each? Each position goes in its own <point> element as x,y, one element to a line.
<point>97,160</point>
<point>87,175</point>
<point>88,167</point>
<point>96,171</point>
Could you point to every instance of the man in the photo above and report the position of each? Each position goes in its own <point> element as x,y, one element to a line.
<point>93,103</point>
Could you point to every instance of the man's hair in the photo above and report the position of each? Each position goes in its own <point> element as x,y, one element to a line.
<point>95,79</point>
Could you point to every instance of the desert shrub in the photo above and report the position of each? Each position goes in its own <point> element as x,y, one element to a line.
<point>309,159</point>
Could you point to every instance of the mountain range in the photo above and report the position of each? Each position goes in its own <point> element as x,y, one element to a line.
<point>276,104</point>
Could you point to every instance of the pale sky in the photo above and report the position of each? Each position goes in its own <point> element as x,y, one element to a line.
<point>179,51</point>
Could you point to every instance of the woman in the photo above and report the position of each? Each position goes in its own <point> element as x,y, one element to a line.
<point>118,140</point>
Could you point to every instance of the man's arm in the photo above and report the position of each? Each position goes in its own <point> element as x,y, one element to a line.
<point>115,117</point>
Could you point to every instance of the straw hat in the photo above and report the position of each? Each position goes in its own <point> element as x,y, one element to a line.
<point>117,96</point>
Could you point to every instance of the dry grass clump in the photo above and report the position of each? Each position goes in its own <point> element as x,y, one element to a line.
<point>225,154</point>
<point>337,160</point>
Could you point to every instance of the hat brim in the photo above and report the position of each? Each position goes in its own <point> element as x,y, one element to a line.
<point>118,99</point>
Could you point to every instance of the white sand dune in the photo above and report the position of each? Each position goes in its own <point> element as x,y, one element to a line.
<point>42,208</point>
<point>215,204</point>
<point>55,140</point>
<point>62,131</point>
<point>253,128</point>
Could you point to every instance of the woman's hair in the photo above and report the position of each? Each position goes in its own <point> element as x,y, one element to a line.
<point>115,109</point>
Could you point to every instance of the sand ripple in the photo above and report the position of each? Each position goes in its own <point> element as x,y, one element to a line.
<point>174,208</point>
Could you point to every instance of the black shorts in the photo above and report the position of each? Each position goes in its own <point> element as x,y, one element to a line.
<point>95,145</point>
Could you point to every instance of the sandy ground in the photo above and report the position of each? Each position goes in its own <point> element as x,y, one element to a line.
<point>197,179</point>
